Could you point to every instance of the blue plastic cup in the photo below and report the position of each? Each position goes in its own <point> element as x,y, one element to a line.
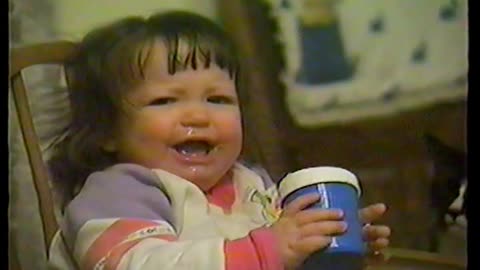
<point>338,189</point>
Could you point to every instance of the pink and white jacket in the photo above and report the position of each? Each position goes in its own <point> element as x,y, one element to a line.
<point>130,217</point>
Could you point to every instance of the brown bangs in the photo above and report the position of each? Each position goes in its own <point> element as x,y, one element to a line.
<point>199,52</point>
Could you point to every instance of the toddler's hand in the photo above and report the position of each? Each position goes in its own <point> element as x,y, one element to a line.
<point>375,235</point>
<point>302,232</point>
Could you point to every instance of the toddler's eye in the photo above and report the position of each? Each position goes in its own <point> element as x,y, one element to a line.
<point>163,101</point>
<point>221,100</point>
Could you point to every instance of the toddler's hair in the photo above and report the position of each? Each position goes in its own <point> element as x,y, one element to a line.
<point>109,62</point>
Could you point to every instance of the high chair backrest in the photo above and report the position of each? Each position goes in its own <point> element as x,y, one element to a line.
<point>20,59</point>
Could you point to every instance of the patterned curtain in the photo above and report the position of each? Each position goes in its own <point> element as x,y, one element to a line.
<point>348,60</point>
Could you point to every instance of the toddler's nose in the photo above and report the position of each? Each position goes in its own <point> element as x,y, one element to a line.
<point>195,115</point>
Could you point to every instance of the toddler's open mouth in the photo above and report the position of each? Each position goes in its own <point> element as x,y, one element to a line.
<point>194,148</point>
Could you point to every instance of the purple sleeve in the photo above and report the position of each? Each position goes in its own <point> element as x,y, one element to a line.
<point>121,191</point>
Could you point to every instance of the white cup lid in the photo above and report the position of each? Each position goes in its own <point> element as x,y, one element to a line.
<point>315,175</point>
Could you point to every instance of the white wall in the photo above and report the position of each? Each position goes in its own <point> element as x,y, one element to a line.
<point>74,18</point>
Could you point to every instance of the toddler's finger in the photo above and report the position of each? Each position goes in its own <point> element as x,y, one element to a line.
<point>311,244</point>
<point>323,228</point>
<point>315,215</point>
<point>373,232</point>
<point>300,203</point>
<point>378,244</point>
<point>375,258</point>
<point>372,212</point>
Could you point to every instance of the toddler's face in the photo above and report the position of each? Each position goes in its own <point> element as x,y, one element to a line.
<point>188,123</point>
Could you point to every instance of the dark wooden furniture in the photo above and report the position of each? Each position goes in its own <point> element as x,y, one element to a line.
<point>406,259</point>
<point>387,153</point>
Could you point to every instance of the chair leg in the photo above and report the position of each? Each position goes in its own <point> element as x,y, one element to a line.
<point>13,263</point>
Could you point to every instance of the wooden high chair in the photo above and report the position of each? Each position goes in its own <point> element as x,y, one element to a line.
<point>20,59</point>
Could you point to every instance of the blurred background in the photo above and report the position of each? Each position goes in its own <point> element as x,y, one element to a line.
<point>375,86</point>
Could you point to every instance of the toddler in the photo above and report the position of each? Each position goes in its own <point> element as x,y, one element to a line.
<point>149,164</point>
